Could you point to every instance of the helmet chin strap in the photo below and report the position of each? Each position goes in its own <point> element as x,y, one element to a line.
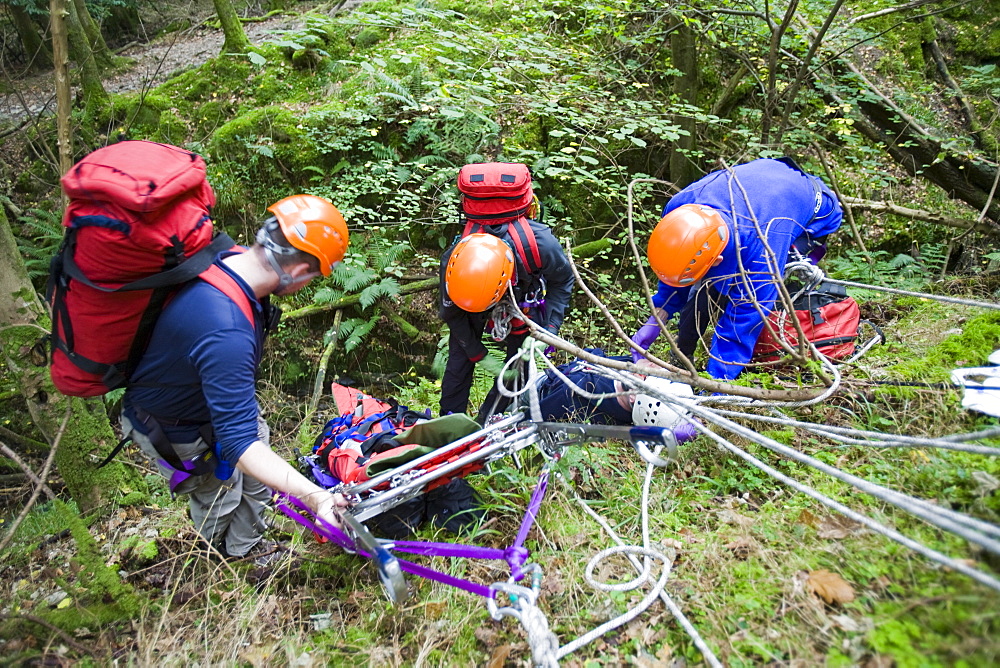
<point>284,278</point>
<point>264,239</point>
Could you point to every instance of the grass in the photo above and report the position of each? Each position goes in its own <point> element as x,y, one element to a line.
<point>743,548</point>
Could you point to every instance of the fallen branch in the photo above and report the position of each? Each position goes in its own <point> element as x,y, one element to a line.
<point>354,300</point>
<point>28,473</point>
<point>582,251</point>
<point>891,10</point>
<point>30,445</point>
<point>919,214</point>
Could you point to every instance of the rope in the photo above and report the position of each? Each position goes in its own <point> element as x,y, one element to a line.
<point>647,553</point>
<point>959,524</point>
<point>861,437</point>
<point>922,295</point>
<point>543,643</point>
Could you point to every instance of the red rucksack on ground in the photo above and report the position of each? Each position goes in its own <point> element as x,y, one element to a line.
<point>500,194</point>
<point>830,320</point>
<point>137,225</point>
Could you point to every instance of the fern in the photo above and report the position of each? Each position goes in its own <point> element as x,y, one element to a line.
<point>327,295</point>
<point>387,287</point>
<point>902,260</point>
<point>388,255</point>
<point>358,279</point>
<point>39,240</point>
<point>354,331</point>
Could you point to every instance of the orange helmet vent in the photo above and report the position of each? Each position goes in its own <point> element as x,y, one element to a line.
<point>479,270</point>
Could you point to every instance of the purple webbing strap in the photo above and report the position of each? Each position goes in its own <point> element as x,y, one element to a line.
<point>285,502</point>
<point>447,550</point>
<point>444,578</point>
<point>317,525</point>
<point>517,554</point>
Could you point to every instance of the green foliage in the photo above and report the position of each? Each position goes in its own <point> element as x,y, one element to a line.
<point>903,271</point>
<point>39,240</point>
<point>979,336</point>
<point>99,582</point>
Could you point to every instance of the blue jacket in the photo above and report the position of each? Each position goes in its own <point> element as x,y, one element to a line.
<point>201,366</point>
<point>763,200</point>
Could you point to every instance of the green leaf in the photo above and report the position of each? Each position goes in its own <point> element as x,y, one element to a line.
<point>257,59</point>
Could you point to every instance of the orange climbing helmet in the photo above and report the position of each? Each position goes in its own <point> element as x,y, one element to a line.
<point>686,243</point>
<point>312,225</point>
<point>479,270</point>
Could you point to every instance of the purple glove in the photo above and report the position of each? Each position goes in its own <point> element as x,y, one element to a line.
<point>645,336</point>
<point>817,253</point>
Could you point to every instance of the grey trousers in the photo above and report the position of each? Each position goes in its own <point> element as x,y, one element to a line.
<point>229,514</point>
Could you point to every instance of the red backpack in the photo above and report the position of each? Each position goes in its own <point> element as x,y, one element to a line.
<point>137,225</point>
<point>830,320</point>
<point>371,437</point>
<point>498,193</point>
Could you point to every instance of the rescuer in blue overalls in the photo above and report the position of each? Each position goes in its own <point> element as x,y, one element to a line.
<point>722,246</point>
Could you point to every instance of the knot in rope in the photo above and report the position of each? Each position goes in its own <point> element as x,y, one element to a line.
<point>543,643</point>
<point>516,556</point>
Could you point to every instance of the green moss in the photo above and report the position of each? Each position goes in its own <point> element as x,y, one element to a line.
<point>979,337</point>
<point>98,583</point>
<point>139,111</point>
<point>370,36</point>
<point>270,142</point>
<point>143,550</point>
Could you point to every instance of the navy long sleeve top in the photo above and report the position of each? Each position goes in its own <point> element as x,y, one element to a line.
<point>201,366</point>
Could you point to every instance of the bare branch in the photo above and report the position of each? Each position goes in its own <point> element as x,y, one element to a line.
<point>920,214</point>
<point>848,211</point>
<point>618,328</point>
<point>671,341</point>
<point>890,10</point>
<point>42,476</point>
<point>804,69</point>
<point>772,70</point>
<point>7,452</point>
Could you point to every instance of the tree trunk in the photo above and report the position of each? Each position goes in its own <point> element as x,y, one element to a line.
<point>962,178</point>
<point>88,437</point>
<point>102,54</point>
<point>81,52</point>
<point>968,179</point>
<point>60,64</point>
<point>684,53</point>
<point>38,54</point>
<point>236,39</point>
<point>983,139</point>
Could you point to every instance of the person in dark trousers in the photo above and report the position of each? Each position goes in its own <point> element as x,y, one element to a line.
<point>721,248</point>
<point>475,275</point>
<point>191,405</point>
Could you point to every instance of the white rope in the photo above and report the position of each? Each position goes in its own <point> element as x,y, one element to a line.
<point>543,643</point>
<point>934,555</point>
<point>875,439</point>
<point>631,552</point>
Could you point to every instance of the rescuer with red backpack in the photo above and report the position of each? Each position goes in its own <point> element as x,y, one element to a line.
<point>145,296</point>
<point>502,245</point>
<point>193,391</point>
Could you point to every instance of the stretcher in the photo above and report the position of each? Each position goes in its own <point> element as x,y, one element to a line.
<point>503,438</point>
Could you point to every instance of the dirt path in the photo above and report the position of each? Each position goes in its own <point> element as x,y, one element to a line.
<point>154,62</point>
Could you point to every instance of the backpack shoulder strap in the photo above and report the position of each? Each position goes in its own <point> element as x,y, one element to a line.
<point>218,278</point>
<point>523,238</point>
<point>527,246</point>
